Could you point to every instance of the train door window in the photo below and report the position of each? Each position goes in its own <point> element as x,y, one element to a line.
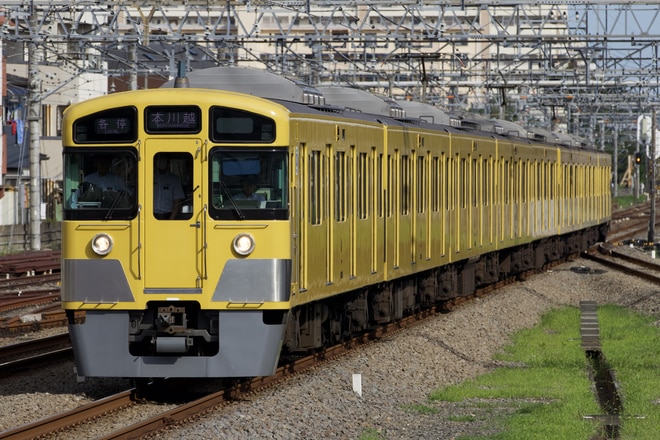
<point>379,185</point>
<point>391,185</point>
<point>172,186</point>
<point>538,176</point>
<point>506,176</point>
<point>435,184</point>
<point>463,176</point>
<point>327,182</point>
<point>315,187</point>
<point>532,181</point>
<point>525,190</point>
<point>405,185</point>
<point>552,181</point>
<point>249,183</point>
<point>543,189</point>
<point>362,186</point>
<point>421,184</point>
<point>444,178</point>
<point>340,186</point>
<point>474,180</point>
<point>486,188</point>
<point>100,184</point>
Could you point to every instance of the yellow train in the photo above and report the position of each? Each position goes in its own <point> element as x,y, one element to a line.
<point>207,231</point>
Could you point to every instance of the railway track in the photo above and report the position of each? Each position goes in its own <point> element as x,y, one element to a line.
<point>11,284</point>
<point>30,263</point>
<point>31,354</point>
<point>638,210</point>
<point>630,223</point>
<point>626,259</point>
<point>83,414</point>
<point>235,391</point>
<point>30,292</point>
<point>241,390</point>
<point>49,316</point>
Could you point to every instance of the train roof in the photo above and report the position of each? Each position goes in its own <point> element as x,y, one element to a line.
<point>508,128</point>
<point>251,81</point>
<point>459,119</point>
<point>340,99</point>
<point>540,134</point>
<point>425,112</point>
<point>359,100</point>
<point>571,140</point>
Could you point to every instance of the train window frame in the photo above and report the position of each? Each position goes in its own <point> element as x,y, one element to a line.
<point>316,174</point>
<point>237,118</point>
<point>421,190</point>
<point>406,184</point>
<point>224,183</point>
<point>170,168</point>
<point>340,186</point>
<point>120,206</point>
<point>125,119</point>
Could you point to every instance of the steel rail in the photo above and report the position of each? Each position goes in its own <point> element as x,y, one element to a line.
<point>30,299</point>
<point>611,261</point>
<point>30,353</point>
<point>58,422</point>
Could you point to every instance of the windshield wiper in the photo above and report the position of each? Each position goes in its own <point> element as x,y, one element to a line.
<point>115,203</point>
<point>223,185</point>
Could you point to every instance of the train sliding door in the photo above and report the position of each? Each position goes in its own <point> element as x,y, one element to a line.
<point>173,217</point>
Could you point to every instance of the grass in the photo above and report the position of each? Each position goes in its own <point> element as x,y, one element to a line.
<point>631,344</point>
<point>372,434</point>
<point>546,387</point>
<point>543,391</point>
<point>628,200</point>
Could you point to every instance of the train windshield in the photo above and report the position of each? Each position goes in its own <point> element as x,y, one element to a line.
<point>99,184</point>
<point>249,184</point>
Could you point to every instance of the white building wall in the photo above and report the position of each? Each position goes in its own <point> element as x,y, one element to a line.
<point>55,97</point>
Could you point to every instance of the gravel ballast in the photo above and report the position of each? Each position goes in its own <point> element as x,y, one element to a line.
<point>397,373</point>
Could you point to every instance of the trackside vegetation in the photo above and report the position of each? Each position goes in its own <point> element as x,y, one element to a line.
<point>631,343</point>
<point>544,384</point>
<point>626,201</point>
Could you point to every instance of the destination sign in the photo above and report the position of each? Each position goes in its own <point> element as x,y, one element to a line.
<point>110,126</point>
<point>117,125</point>
<point>173,119</point>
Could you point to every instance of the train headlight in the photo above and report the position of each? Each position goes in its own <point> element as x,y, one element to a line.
<point>243,244</point>
<point>102,244</point>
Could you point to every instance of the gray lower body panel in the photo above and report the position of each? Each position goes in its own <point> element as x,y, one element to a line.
<point>248,348</point>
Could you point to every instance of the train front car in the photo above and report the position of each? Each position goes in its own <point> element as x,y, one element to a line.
<point>176,234</point>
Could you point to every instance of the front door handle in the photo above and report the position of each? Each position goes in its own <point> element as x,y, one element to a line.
<point>196,225</point>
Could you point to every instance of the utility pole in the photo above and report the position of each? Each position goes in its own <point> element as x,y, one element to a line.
<point>615,178</point>
<point>33,118</point>
<point>652,189</point>
<point>636,176</point>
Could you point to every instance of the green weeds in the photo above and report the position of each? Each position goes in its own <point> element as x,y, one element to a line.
<point>547,381</point>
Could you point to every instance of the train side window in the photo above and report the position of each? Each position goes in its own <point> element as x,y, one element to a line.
<point>172,186</point>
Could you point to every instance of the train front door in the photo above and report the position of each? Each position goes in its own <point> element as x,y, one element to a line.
<point>172,217</point>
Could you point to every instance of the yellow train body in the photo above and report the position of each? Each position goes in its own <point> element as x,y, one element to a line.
<point>351,201</point>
